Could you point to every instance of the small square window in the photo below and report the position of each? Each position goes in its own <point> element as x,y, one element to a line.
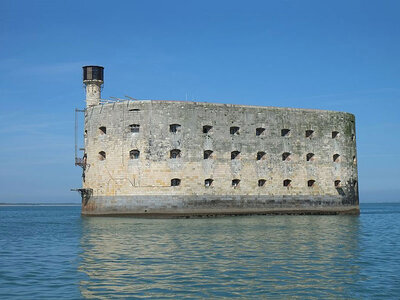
<point>235,183</point>
<point>175,182</point>
<point>174,128</point>
<point>134,128</point>
<point>285,132</point>
<point>260,131</point>
<point>102,130</point>
<point>309,133</point>
<point>208,182</point>
<point>207,128</point>
<point>235,154</point>
<point>234,130</point>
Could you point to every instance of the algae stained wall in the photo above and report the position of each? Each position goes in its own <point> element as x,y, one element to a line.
<point>136,138</point>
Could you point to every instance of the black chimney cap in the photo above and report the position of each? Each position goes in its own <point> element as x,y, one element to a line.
<point>93,73</point>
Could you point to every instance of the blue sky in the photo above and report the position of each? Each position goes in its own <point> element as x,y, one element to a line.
<point>337,55</point>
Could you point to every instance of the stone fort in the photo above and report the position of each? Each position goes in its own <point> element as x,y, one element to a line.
<point>180,158</point>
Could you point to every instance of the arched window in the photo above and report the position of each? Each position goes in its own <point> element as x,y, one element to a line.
<point>174,128</point>
<point>336,158</point>
<point>337,183</point>
<point>261,182</point>
<point>310,183</point>
<point>285,132</point>
<point>260,155</point>
<point>102,155</point>
<point>287,182</point>
<point>260,131</point>
<point>175,182</point>
<point>310,156</point>
<point>309,133</point>
<point>354,160</point>
<point>134,128</point>
<point>175,153</point>
<point>207,128</point>
<point>234,130</point>
<point>235,183</point>
<point>235,154</point>
<point>208,154</point>
<point>208,182</point>
<point>286,156</point>
<point>134,154</point>
<point>102,130</point>
<point>335,134</point>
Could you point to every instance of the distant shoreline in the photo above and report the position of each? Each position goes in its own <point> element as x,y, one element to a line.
<point>79,204</point>
<point>40,204</point>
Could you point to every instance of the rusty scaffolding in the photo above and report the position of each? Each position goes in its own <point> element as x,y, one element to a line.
<point>79,161</point>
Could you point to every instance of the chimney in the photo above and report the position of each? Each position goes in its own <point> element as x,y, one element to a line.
<point>93,79</point>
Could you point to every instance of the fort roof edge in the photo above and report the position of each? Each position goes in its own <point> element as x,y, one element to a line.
<point>187,102</point>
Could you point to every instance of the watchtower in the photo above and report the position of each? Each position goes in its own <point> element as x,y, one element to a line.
<point>93,78</point>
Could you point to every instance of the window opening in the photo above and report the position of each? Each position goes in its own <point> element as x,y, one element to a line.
<point>207,128</point>
<point>235,154</point>
<point>175,182</point>
<point>286,156</point>
<point>207,154</point>
<point>102,130</point>
<point>259,131</point>
<point>235,183</point>
<point>208,182</point>
<point>310,156</point>
<point>134,154</point>
<point>261,182</point>
<point>287,182</point>
<point>102,155</point>
<point>337,184</point>
<point>234,130</point>
<point>260,155</point>
<point>336,158</point>
<point>309,133</point>
<point>285,132</point>
<point>134,128</point>
<point>174,128</point>
<point>311,183</point>
<point>335,134</point>
<point>175,153</point>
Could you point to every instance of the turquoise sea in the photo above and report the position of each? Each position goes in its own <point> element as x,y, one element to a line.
<point>51,252</point>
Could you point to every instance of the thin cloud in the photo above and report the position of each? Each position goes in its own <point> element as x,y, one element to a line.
<point>15,67</point>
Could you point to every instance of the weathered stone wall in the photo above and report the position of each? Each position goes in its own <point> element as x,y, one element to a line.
<point>149,176</point>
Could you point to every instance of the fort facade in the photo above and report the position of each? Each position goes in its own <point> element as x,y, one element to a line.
<point>179,158</point>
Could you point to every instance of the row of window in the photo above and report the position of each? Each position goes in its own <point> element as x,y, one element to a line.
<point>234,130</point>
<point>208,154</point>
<point>261,182</point>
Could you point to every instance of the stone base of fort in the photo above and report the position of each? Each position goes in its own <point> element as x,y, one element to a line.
<point>210,205</point>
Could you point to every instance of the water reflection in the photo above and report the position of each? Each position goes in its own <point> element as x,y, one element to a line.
<point>258,256</point>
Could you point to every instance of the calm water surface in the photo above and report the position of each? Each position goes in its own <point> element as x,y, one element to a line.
<point>53,252</point>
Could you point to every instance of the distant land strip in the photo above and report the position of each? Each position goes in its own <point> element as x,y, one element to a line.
<point>40,204</point>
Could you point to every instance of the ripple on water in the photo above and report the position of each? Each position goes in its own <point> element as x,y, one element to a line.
<point>52,252</point>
